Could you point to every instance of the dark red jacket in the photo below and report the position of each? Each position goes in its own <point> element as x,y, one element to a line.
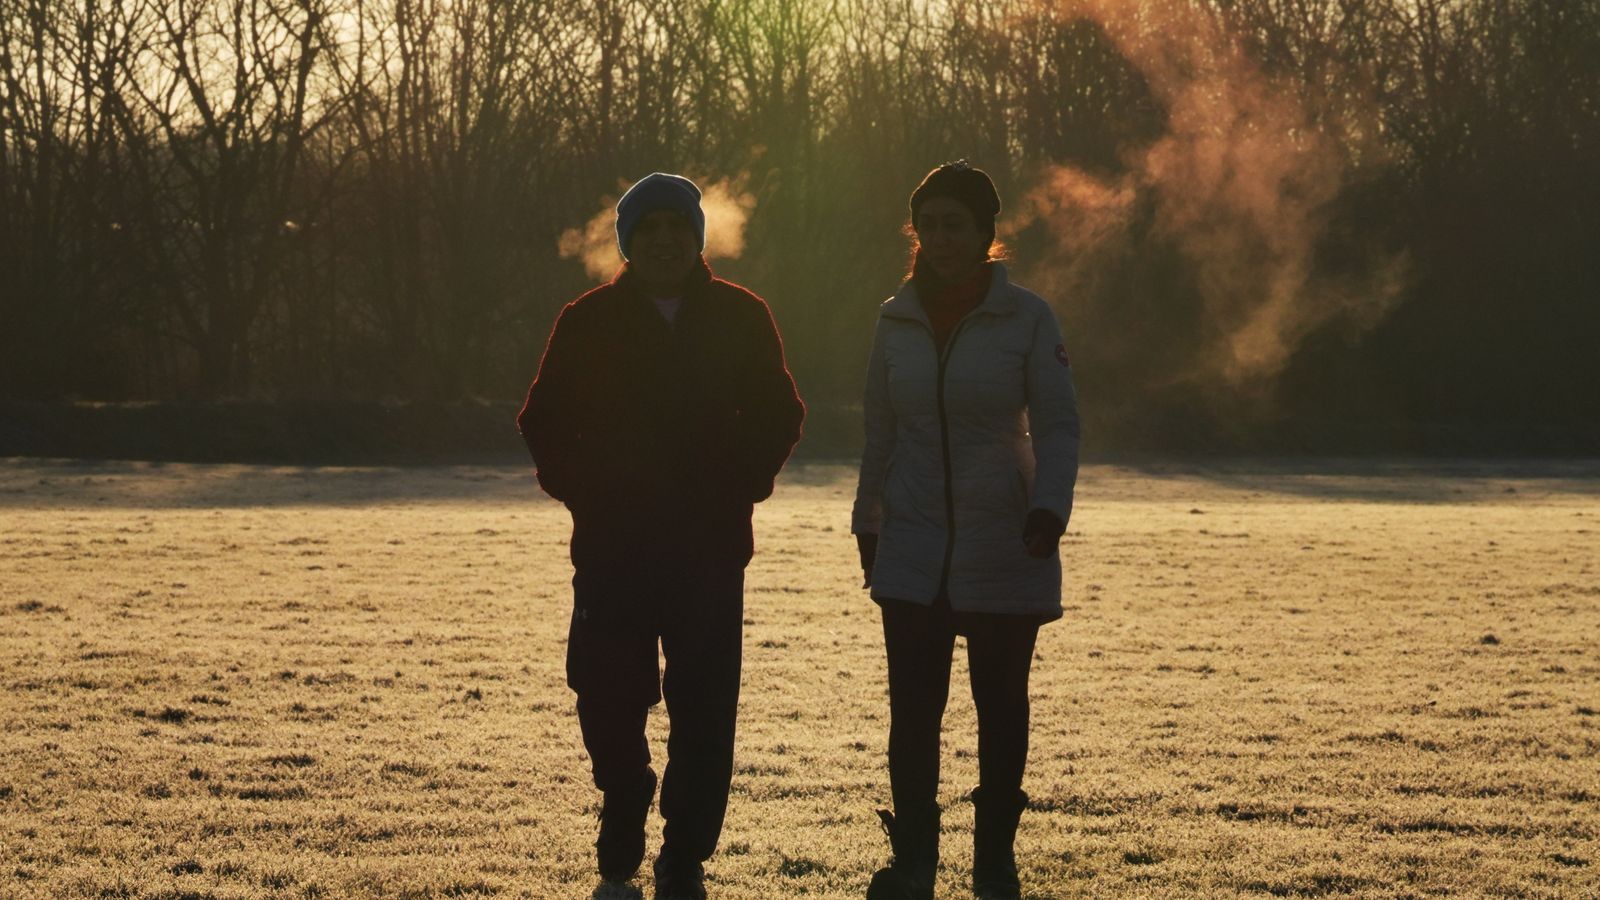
<point>660,438</point>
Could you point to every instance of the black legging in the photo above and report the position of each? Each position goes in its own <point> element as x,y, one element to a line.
<point>920,641</point>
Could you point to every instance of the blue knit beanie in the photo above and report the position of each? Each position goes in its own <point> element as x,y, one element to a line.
<point>654,192</point>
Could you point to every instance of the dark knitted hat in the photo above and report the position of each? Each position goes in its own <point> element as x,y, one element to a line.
<point>654,192</point>
<point>965,184</point>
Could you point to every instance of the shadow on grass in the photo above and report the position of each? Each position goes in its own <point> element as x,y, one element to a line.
<point>1384,480</point>
<point>46,483</point>
<point>56,483</point>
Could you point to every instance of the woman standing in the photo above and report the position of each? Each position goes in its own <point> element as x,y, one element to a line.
<point>966,488</point>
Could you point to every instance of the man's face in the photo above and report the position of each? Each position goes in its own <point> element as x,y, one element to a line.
<point>662,250</point>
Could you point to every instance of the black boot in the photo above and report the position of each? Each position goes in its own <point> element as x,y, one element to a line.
<point>994,833</point>
<point>914,835</point>
<point>620,847</point>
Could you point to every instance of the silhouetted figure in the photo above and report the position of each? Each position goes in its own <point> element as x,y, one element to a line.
<point>966,487</point>
<point>661,412</point>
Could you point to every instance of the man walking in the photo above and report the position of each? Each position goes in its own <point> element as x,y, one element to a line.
<point>661,413</point>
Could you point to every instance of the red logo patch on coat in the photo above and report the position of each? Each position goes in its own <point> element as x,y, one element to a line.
<point>1061,355</point>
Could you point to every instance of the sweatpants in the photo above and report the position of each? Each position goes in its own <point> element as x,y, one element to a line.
<point>920,641</point>
<point>696,620</point>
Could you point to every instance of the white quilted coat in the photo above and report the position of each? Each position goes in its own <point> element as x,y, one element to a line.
<point>960,448</point>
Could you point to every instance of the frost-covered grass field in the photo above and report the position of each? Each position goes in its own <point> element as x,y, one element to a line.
<point>1374,679</point>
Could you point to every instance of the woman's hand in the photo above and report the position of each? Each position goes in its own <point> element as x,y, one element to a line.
<point>867,545</point>
<point>1042,532</point>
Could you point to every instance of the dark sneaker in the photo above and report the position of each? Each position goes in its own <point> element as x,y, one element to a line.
<point>620,847</point>
<point>679,881</point>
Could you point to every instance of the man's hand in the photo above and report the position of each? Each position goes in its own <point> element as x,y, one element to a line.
<point>1042,532</point>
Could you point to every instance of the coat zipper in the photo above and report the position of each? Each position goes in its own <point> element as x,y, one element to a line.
<point>949,476</point>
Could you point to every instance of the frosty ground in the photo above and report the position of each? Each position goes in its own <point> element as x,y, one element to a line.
<point>1375,678</point>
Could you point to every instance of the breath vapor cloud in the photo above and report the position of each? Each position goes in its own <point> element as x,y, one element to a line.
<point>727,206</point>
<point>1240,182</point>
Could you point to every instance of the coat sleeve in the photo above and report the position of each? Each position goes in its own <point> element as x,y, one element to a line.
<point>1052,417</point>
<point>772,413</point>
<point>867,517</point>
<point>550,421</point>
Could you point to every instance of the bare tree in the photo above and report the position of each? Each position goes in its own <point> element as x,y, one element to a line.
<point>226,86</point>
<point>304,198</point>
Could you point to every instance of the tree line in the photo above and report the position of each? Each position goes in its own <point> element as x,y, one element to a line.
<point>1244,210</point>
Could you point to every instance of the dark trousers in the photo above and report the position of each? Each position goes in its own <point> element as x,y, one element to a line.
<point>920,641</point>
<point>613,665</point>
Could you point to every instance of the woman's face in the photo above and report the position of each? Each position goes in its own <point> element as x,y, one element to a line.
<point>950,240</point>
<point>662,251</point>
